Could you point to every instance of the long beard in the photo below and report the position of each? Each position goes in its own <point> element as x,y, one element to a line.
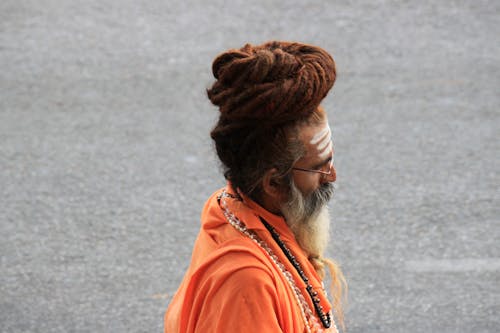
<point>308,218</point>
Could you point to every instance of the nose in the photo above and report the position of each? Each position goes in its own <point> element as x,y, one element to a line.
<point>330,178</point>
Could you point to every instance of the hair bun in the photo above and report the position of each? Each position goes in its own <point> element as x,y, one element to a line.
<point>274,82</point>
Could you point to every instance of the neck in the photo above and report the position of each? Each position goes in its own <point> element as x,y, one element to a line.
<point>269,203</point>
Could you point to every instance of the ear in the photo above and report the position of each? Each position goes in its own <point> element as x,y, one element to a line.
<point>270,185</point>
<point>272,191</point>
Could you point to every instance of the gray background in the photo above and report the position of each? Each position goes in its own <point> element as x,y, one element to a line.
<point>106,161</point>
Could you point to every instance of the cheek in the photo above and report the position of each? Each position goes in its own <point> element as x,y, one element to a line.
<point>307,182</point>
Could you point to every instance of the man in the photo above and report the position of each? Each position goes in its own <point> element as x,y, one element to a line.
<point>257,264</point>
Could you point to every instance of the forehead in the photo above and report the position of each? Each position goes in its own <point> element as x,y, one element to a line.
<point>317,139</point>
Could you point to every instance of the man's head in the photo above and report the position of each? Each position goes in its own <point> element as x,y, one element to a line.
<point>268,97</point>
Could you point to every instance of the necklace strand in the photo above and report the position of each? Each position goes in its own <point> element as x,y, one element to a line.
<point>306,312</point>
<point>324,317</point>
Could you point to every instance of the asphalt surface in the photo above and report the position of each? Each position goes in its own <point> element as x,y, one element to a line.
<point>106,161</point>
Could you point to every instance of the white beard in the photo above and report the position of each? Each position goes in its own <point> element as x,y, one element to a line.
<point>311,228</point>
<point>313,236</point>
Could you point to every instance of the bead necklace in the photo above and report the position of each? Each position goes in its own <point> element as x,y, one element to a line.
<point>306,312</point>
<point>324,317</point>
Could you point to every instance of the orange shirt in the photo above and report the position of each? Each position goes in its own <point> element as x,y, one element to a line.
<point>232,285</point>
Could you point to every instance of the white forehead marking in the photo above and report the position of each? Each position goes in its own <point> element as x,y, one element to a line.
<point>325,153</point>
<point>323,142</point>
<point>321,135</point>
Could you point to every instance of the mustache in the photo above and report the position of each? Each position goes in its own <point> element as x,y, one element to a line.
<point>301,209</point>
<point>317,199</point>
<point>324,192</point>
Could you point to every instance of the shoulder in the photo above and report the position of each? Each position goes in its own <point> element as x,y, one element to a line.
<point>239,257</point>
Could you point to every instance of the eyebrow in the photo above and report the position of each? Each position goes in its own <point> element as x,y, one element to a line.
<point>319,165</point>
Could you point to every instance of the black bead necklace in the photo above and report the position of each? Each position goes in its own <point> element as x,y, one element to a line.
<point>324,317</point>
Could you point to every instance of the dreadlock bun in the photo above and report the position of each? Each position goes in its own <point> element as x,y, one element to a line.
<point>276,82</point>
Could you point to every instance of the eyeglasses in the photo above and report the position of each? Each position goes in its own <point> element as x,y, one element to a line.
<point>326,169</point>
